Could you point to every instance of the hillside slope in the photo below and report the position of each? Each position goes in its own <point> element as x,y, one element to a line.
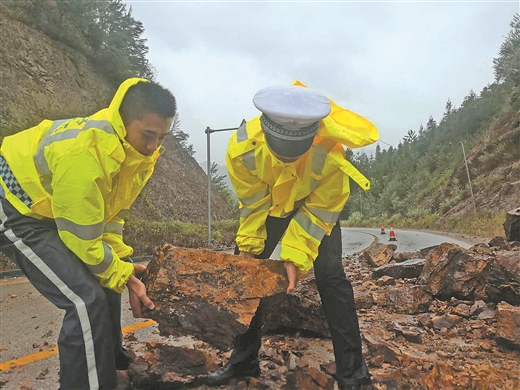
<point>494,166</point>
<point>41,78</point>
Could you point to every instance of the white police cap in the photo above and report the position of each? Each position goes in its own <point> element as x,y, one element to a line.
<point>292,107</point>
<point>291,116</point>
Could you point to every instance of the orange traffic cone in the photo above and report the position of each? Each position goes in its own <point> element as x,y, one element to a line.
<point>383,229</point>
<point>392,234</point>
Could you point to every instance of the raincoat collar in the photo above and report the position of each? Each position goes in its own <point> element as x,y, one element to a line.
<point>113,109</point>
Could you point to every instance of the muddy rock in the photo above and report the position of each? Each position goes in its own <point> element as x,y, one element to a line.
<point>447,375</point>
<point>301,310</point>
<point>445,321</point>
<point>508,325</point>
<point>477,308</point>
<point>385,281</point>
<point>512,225</point>
<point>504,278</point>
<point>406,270</point>
<point>462,310</point>
<point>210,295</point>
<point>399,257</point>
<point>452,271</point>
<point>499,243</point>
<point>403,299</point>
<point>380,254</point>
<point>308,379</point>
<point>168,367</point>
<point>363,300</point>
<point>426,251</point>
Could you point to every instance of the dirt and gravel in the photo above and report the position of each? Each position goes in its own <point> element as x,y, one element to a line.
<point>456,326</point>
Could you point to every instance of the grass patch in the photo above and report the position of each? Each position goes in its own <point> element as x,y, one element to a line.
<point>485,224</point>
<point>145,236</point>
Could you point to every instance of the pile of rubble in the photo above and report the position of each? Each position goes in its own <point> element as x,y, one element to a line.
<point>441,318</point>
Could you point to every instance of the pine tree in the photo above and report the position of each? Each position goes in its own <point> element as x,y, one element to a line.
<point>448,109</point>
<point>410,137</point>
<point>431,125</point>
<point>507,65</point>
<point>217,181</point>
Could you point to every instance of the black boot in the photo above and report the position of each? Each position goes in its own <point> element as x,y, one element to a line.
<point>357,383</point>
<point>123,359</point>
<point>230,371</point>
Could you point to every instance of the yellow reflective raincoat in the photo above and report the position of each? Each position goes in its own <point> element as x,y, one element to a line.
<point>83,174</point>
<point>316,185</point>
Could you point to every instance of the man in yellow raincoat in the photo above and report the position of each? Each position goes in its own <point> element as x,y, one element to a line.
<point>65,188</point>
<point>289,171</point>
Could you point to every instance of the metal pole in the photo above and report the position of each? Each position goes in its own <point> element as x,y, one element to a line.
<point>208,156</point>
<point>208,132</point>
<point>469,179</point>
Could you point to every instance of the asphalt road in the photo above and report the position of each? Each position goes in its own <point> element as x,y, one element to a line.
<point>30,325</point>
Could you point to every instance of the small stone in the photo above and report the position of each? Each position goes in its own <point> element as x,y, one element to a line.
<point>386,281</point>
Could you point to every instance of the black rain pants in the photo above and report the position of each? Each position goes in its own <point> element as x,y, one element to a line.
<point>90,336</point>
<point>337,298</point>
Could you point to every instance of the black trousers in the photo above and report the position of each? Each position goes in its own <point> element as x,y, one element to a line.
<point>337,297</point>
<point>90,337</point>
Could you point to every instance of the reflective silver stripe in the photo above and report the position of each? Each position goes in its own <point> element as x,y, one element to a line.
<point>103,266</point>
<point>255,198</point>
<point>66,291</point>
<point>249,160</point>
<point>314,230</point>
<point>246,212</point>
<point>242,133</point>
<point>114,228</point>
<point>123,213</point>
<point>318,159</point>
<point>325,215</point>
<point>314,183</point>
<point>49,138</point>
<point>84,232</point>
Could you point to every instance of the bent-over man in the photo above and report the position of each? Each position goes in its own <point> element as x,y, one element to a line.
<point>66,186</point>
<point>289,170</point>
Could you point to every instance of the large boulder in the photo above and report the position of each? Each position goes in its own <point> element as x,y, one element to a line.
<point>512,225</point>
<point>210,295</point>
<point>452,271</point>
<point>213,296</point>
<point>503,283</point>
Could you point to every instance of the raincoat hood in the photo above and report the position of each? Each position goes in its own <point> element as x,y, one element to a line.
<point>345,126</point>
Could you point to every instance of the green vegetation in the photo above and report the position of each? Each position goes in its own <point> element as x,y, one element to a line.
<point>415,184</point>
<point>104,31</point>
<point>218,183</point>
<point>145,236</point>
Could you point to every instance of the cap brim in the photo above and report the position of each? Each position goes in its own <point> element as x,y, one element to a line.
<point>286,148</point>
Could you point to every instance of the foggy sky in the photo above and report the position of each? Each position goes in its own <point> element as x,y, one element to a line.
<point>396,63</point>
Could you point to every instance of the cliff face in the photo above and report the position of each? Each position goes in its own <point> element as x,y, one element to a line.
<point>44,79</point>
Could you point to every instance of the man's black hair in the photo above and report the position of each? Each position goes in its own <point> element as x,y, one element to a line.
<point>144,97</point>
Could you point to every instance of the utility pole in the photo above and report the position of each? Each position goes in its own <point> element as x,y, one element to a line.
<point>208,132</point>
<point>469,179</point>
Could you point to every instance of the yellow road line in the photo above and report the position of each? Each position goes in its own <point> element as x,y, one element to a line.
<point>53,351</point>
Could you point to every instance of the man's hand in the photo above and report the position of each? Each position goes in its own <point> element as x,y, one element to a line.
<point>137,293</point>
<point>246,254</point>
<point>139,270</point>
<point>292,275</point>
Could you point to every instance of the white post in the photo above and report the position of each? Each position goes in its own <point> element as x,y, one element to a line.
<point>469,179</point>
